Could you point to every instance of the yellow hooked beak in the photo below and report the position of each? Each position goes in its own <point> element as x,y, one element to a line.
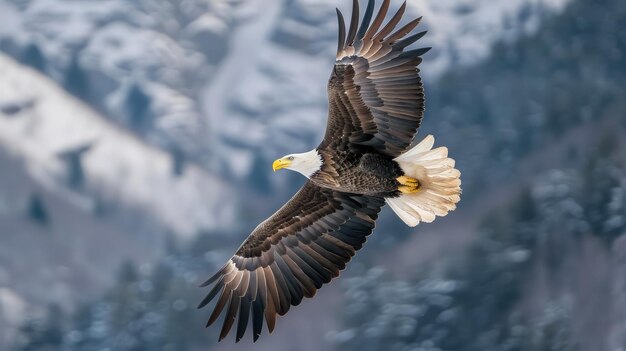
<point>281,163</point>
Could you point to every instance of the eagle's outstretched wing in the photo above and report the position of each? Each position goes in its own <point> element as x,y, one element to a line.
<point>375,93</point>
<point>290,255</point>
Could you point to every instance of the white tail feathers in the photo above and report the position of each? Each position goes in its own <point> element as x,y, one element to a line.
<point>440,184</point>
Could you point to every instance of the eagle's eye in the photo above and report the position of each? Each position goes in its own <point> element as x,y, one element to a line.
<point>290,158</point>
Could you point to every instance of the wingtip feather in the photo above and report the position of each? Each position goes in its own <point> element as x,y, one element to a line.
<point>354,22</point>
<point>341,36</point>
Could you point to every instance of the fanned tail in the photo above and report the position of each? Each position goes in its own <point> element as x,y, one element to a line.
<point>440,184</point>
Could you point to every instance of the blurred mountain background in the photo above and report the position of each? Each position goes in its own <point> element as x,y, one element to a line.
<point>136,139</point>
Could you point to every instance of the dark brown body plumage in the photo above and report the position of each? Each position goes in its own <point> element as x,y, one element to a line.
<point>360,172</point>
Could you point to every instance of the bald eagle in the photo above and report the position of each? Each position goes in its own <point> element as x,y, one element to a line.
<point>376,104</point>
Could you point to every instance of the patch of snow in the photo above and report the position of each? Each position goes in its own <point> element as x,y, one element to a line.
<point>11,22</point>
<point>119,48</point>
<point>59,28</point>
<point>462,32</point>
<point>208,22</point>
<point>12,306</point>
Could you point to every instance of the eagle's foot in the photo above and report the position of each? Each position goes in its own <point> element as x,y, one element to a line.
<point>409,185</point>
<point>408,181</point>
<point>408,189</point>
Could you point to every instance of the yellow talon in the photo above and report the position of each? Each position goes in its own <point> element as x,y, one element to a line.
<point>409,185</point>
<point>404,180</point>
<point>408,189</point>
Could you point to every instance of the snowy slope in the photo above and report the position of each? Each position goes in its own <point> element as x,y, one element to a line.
<point>39,122</point>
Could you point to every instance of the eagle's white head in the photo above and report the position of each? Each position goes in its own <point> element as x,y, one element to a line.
<point>305,163</point>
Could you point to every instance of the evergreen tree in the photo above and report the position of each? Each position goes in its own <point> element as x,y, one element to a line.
<point>138,108</point>
<point>259,176</point>
<point>76,82</point>
<point>36,210</point>
<point>604,199</point>
<point>32,56</point>
<point>42,334</point>
<point>178,161</point>
<point>73,160</point>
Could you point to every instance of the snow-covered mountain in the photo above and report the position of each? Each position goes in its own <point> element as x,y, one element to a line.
<point>71,150</point>
<point>194,76</point>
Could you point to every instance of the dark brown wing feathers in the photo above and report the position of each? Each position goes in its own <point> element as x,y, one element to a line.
<point>342,32</point>
<point>289,256</point>
<point>354,22</point>
<point>369,11</point>
<point>375,93</point>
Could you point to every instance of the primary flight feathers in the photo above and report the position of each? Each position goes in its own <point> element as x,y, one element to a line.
<point>290,255</point>
<point>376,104</point>
<point>375,87</point>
